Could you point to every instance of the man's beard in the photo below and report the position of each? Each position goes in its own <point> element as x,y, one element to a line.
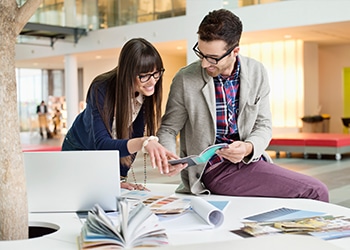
<point>213,73</point>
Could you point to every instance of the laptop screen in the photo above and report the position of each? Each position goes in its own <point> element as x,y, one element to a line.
<point>70,181</point>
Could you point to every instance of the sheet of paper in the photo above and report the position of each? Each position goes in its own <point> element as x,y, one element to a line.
<point>203,215</point>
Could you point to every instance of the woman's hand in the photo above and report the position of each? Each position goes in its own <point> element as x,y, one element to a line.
<point>130,186</point>
<point>159,157</point>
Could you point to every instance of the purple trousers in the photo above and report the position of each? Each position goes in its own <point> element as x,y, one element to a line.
<point>262,179</point>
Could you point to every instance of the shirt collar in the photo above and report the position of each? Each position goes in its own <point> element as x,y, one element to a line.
<point>139,98</point>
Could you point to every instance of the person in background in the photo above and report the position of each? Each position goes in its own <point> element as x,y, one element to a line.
<point>57,121</point>
<point>41,110</point>
<point>224,98</point>
<point>123,111</point>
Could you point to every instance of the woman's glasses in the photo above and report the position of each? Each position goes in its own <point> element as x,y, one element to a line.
<point>156,75</point>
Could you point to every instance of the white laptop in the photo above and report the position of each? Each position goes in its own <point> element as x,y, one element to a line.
<point>70,181</point>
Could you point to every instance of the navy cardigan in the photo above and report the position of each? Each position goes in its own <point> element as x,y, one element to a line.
<point>88,132</point>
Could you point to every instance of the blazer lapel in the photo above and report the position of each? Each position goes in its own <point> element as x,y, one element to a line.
<point>208,92</point>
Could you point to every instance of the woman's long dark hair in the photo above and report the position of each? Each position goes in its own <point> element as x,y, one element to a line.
<point>137,56</point>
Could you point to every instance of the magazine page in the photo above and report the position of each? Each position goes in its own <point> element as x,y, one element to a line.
<point>97,217</point>
<point>99,230</point>
<point>123,209</point>
<point>159,204</point>
<point>283,214</point>
<point>149,233</point>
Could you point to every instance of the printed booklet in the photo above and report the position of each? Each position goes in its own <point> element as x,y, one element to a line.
<point>128,228</point>
<point>203,157</point>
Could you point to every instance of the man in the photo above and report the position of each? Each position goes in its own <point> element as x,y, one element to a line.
<point>41,110</point>
<point>224,97</point>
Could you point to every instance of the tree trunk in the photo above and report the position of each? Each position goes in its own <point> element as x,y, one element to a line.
<point>13,197</point>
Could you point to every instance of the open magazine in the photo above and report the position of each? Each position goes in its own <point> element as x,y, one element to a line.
<point>128,228</point>
<point>203,157</point>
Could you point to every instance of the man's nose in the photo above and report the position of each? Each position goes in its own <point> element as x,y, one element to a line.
<point>205,63</point>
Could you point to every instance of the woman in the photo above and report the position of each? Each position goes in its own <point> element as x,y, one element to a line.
<point>123,111</point>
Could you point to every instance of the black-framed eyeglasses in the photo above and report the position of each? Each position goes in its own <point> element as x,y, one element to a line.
<point>156,75</point>
<point>210,59</point>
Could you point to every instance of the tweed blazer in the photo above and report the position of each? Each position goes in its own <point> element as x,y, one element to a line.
<point>191,111</point>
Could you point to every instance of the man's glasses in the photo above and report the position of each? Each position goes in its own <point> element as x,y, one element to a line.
<point>210,59</point>
<point>156,75</point>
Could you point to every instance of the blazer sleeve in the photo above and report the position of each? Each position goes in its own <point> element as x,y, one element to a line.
<point>175,116</point>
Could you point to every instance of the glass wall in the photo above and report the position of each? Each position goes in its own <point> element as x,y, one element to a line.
<point>242,3</point>
<point>48,85</point>
<point>101,14</point>
<point>34,86</point>
<point>29,93</point>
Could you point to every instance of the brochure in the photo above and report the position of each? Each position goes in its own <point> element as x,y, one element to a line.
<point>203,157</point>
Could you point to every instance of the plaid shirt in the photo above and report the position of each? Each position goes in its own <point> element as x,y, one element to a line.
<point>227,97</point>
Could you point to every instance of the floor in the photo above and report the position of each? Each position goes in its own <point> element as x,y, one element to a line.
<point>335,174</point>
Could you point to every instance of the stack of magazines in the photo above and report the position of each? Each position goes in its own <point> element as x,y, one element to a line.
<point>295,221</point>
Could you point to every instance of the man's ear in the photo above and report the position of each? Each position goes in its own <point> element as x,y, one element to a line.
<point>236,51</point>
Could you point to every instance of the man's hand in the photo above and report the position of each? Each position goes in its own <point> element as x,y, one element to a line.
<point>176,169</point>
<point>236,151</point>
